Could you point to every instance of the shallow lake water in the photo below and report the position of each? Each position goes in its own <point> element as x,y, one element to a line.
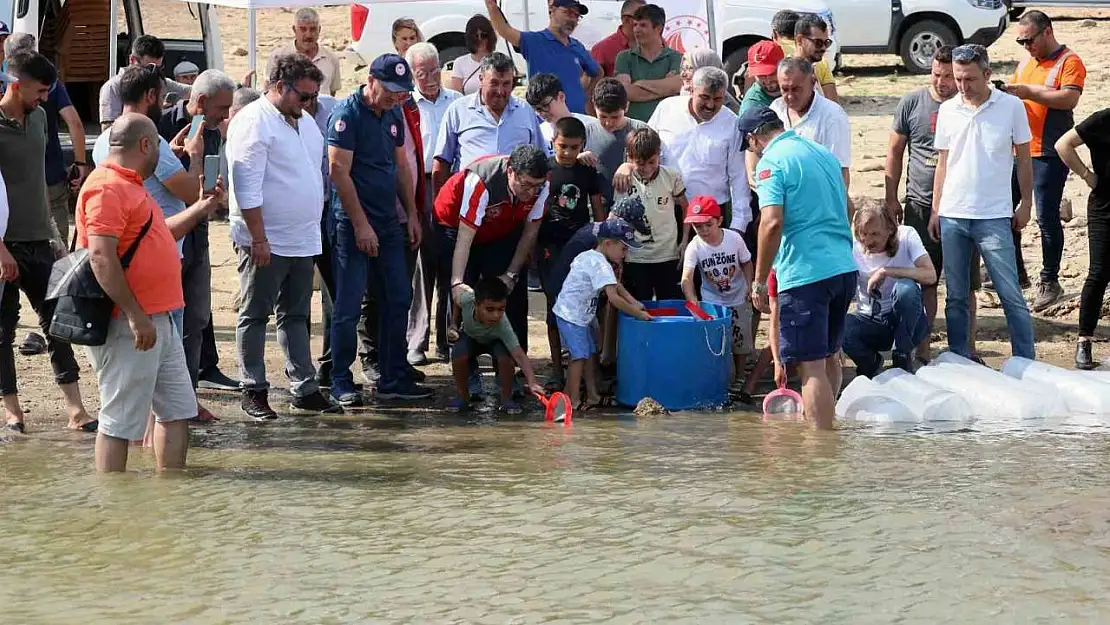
<point>690,518</point>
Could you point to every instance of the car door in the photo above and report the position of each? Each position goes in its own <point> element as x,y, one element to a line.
<point>861,23</point>
<point>183,27</point>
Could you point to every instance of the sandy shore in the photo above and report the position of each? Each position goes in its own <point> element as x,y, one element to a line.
<point>870,87</point>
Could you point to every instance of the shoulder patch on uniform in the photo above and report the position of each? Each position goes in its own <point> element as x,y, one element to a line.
<point>340,125</point>
<point>764,174</point>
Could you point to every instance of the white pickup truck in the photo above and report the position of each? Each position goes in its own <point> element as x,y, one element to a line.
<point>912,29</point>
<point>442,22</point>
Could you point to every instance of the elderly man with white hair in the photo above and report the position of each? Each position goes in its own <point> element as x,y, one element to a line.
<point>212,96</point>
<point>432,100</point>
<point>306,41</point>
<point>803,109</point>
<point>700,140</point>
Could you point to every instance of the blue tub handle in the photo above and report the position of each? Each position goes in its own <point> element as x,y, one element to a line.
<point>724,335</point>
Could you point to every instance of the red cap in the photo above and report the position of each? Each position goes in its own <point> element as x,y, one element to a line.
<point>764,57</point>
<point>701,209</point>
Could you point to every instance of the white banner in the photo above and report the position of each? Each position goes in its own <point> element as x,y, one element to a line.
<point>689,23</point>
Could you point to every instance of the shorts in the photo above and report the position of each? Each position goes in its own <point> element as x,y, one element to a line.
<point>580,341</point>
<point>916,216</point>
<point>742,343</point>
<point>811,318</point>
<point>132,383</point>
<point>466,347</point>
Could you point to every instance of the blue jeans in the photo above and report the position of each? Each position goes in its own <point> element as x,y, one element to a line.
<point>994,239</point>
<point>1049,175</point>
<point>388,275</point>
<point>904,326</point>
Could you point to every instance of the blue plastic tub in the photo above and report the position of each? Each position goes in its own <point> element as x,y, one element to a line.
<point>681,362</point>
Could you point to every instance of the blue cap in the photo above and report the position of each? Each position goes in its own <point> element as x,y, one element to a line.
<point>753,119</point>
<point>631,209</point>
<point>393,72</point>
<point>619,230</point>
<point>4,30</point>
<point>573,4</point>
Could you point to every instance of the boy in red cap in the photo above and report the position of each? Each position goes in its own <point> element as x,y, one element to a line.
<point>726,271</point>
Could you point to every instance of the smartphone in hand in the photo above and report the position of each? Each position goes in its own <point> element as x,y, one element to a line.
<point>999,84</point>
<point>211,171</point>
<point>198,123</point>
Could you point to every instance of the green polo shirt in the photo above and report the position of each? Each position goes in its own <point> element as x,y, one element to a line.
<point>22,158</point>
<point>755,96</point>
<point>631,62</point>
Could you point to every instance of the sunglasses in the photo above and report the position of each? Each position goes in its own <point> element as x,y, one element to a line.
<point>301,95</point>
<point>1025,42</point>
<point>820,43</point>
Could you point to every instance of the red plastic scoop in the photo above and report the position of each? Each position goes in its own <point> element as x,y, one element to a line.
<point>697,311</point>
<point>557,407</point>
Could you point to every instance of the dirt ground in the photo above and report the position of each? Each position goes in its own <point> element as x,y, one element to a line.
<point>870,86</point>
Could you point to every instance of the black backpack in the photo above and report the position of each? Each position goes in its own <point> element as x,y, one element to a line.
<point>83,310</point>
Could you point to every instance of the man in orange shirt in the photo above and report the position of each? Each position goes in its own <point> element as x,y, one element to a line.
<point>142,365</point>
<point>1049,82</point>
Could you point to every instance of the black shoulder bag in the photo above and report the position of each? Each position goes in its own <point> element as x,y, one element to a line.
<point>83,310</point>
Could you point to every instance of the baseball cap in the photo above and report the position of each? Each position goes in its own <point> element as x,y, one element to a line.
<point>185,68</point>
<point>574,4</point>
<point>751,120</point>
<point>631,209</point>
<point>701,209</point>
<point>764,57</point>
<point>4,30</point>
<point>393,72</point>
<point>619,230</point>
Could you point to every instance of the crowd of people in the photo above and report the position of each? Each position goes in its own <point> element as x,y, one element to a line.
<point>627,173</point>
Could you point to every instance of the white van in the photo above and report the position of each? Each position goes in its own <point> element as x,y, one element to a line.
<point>442,22</point>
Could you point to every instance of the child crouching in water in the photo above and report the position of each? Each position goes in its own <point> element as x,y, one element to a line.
<point>575,309</point>
<point>893,266</point>
<point>484,329</point>
<point>726,271</point>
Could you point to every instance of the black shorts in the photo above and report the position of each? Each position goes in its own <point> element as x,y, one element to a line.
<point>916,215</point>
<point>648,281</point>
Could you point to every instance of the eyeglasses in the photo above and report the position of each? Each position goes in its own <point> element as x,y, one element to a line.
<point>525,185</point>
<point>542,107</point>
<point>301,95</point>
<point>421,74</point>
<point>968,53</point>
<point>1025,42</point>
<point>820,43</point>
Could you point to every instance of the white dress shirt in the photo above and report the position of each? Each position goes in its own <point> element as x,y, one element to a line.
<point>707,154</point>
<point>276,167</point>
<point>980,144</point>
<point>825,123</point>
<point>431,118</point>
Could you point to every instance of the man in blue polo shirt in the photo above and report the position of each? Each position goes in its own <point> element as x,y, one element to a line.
<point>804,233</point>
<point>553,50</point>
<point>369,171</point>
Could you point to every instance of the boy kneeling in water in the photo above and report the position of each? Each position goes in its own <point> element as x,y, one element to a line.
<point>484,328</point>
<point>575,310</point>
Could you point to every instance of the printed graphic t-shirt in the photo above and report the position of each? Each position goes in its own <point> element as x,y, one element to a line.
<point>722,281</point>
<point>658,195</point>
<point>910,249</point>
<point>589,273</point>
<point>568,202</point>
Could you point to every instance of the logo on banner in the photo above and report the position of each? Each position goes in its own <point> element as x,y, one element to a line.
<point>686,32</point>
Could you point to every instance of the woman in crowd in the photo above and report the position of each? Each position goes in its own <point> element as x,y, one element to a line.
<point>893,266</point>
<point>1094,132</point>
<point>694,60</point>
<point>481,40</point>
<point>406,33</point>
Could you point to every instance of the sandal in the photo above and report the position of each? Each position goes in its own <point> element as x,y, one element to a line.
<point>204,415</point>
<point>32,345</point>
<point>90,427</point>
<point>18,428</point>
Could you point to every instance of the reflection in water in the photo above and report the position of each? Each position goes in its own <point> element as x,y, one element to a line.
<point>707,518</point>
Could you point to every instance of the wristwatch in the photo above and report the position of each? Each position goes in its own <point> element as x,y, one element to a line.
<point>760,288</point>
<point>512,275</point>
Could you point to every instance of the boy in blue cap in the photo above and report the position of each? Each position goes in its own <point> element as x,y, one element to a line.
<point>591,273</point>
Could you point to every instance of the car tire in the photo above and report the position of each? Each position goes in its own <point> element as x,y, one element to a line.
<point>1015,13</point>
<point>920,41</point>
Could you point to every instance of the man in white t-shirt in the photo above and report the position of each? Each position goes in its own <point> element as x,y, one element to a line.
<point>726,269</point>
<point>892,265</point>
<point>978,134</point>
